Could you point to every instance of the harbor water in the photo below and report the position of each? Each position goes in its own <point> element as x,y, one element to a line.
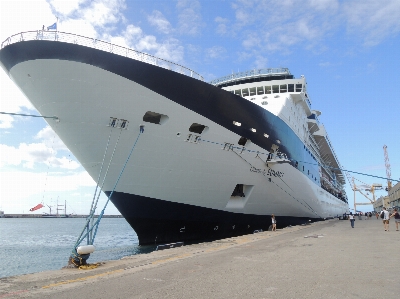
<point>31,245</point>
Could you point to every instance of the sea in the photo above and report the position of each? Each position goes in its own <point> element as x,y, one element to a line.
<point>30,245</point>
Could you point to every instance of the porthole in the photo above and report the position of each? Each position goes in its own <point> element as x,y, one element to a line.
<point>264,103</point>
<point>237,123</point>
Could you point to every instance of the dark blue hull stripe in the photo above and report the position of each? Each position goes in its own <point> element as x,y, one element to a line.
<point>158,221</point>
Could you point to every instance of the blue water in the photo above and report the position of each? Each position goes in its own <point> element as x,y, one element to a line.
<point>29,245</point>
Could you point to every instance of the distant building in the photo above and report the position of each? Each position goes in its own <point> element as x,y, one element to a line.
<point>394,196</point>
<point>390,201</point>
<point>1,214</point>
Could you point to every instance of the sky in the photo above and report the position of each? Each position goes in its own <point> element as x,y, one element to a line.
<point>347,50</point>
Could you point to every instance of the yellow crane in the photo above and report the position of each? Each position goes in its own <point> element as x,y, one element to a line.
<point>366,188</point>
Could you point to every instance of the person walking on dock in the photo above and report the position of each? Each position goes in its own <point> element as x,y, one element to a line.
<point>351,218</point>
<point>396,216</point>
<point>385,216</point>
<point>273,222</point>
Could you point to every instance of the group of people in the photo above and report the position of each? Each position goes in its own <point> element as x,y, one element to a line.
<point>385,215</point>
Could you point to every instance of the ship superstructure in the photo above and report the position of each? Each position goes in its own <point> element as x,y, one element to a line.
<point>277,91</point>
<point>214,160</point>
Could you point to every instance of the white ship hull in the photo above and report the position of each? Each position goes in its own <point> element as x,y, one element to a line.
<point>174,187</point>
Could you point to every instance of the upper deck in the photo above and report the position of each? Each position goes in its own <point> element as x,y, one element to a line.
<point>255,75</point>
<point>64,37</point>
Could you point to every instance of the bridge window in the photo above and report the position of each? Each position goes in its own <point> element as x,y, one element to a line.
<point>267,89</point>
<point>260,90</point>
<point>238,92</point>
<point>275,88</point>
<point>245,92</point>
<point>290,87</point>
<point>299,87</point>
<point>283,88</point>
<point>252,91</point>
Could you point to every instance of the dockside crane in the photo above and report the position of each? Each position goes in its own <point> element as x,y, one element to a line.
<point>366,188</point>
<point>388,170</point>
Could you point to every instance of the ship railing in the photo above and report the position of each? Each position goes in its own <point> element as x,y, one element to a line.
<point>251,74</point>
<point>305,98</point>
<point>71,38</point>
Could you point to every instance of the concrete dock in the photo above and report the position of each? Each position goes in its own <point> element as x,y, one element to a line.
<point>327,259</point>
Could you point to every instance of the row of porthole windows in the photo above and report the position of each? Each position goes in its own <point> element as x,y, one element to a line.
<point>157,118</point>
<point>282,88</point>
<point>160,119</point>
<point>308,173</point>
<point>308,151</point>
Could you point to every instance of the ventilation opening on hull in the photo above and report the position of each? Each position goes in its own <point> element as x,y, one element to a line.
<point>155,118</point>
<point>198,128</point>
<point>244,141</point>
<point>239,196</point>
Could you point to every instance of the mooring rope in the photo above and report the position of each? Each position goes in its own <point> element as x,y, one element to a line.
<point>95,225</point>
<point>141,130</point>
<point>104,179</point>
<point>294,161</point>
<point>20,114</point>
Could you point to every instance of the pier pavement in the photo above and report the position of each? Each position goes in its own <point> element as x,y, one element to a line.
<point>327,259</point>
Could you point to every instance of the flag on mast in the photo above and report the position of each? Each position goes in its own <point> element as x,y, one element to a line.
<point>52,27</point>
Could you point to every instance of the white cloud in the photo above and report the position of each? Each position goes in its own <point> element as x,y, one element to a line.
<point>324,5</point>
<point>18,185</point>
<point>50,139</point>
<point>43,152</point>
<point>66,7</point>
<point>158,20</point>
<point>325,64</point>
<point>215,52</point>
<point>24,16</point>
<point>273,26</point>
<point>189,16</point>
<point>171,50</point>
<point>260,62</point>
<point>19,14</point>
<point>374,21</point>
<point>102,13</point>
<point>147,43</point>
<point>222,25</point>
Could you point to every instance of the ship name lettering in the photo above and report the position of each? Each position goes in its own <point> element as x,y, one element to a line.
<point>270,172</point>
<point>275,173</point>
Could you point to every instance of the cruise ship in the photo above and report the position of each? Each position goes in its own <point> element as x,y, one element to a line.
<point>211,160</point>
